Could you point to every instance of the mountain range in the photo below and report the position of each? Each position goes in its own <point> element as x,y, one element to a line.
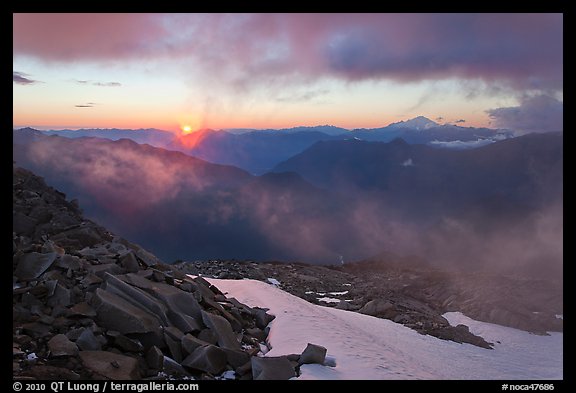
<point>258,151</point>
<point>337,200</point>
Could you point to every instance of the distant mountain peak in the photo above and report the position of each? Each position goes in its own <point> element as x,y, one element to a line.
<point>417,123</point>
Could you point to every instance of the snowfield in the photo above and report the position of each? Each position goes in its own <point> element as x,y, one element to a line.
<point>365,347</point>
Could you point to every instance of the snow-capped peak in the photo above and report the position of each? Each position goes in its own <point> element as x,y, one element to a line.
<point>417,123</point>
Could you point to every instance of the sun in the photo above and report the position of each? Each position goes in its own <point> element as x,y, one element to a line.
<point>186,129</point>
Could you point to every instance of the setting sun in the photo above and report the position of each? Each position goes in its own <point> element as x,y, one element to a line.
<point>186,129</point>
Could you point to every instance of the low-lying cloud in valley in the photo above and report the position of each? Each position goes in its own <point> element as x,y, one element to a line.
<point>184,208</point>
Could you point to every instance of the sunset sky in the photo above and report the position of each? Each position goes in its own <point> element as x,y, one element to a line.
<point>217,71</point>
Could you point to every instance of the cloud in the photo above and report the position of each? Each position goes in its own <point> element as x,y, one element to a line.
<point>460,145</point>
<point>101,84</point>
<point>107,84</point>
<point>303,97</point>
<point>22,78</point>
<point>460,121</point>
<point>520,51</point>
<point>86,105</point>
<point>540,113</point>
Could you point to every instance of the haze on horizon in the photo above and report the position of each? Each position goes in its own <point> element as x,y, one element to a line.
<point>169,71</point>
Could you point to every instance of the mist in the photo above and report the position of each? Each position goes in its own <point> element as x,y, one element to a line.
<point>183,208</point>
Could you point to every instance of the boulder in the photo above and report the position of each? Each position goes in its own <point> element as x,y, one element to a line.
<point>208,358</point>
<point>60,345</point>
<point>272,368</point>
<point>262,318</point>
<point>379,308</point>
<point>68,262</point>
<point>22,224</point>
<point>127,344</point>
<point>343,305</point>
<point>101,270</point>
<point>190,343</point>
<point>184,322</point>
<point>148,258</point>
<point>137,297</point>
<point>155,358</point>
<point>87,341</point>
<point>110,365</point>
<point>129,263</point>
<point>236,358</point>
<point>173,368</point>
<point>114,312</point>
<point>61,297</point>
<point>313,354</point>
<point>33,264</point>
<point>174,346</point>
<point>223,330</point>
<point>83,310</point>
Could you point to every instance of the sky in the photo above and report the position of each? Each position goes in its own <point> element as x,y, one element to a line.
<point>171,71</point>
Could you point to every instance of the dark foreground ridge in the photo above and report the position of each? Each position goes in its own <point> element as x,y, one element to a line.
<point>91,305</point>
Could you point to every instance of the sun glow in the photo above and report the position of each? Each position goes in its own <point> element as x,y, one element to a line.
<point>186,129</point>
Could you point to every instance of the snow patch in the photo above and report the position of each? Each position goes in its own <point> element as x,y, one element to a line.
<point>559,316</point>
<point>408,162</point>
<point>328,300</point>
<point>365,347</point>
<point>338,293</point>
<point>273,281</point>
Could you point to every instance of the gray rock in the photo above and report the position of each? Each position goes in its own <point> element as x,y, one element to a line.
<point>101,270</point>
<point>379,308</point>
<point>22,224</point>
<point>127,344</point>
<point>190,343</point>
<point>74,333</point>
<point>33,264</point>
<point>170,297</point>
<point>68,262</point>
<point>129,263</point>
<point>110,365</point>
<point>155,358</point>
<point>313,354</point>
<point>174,346</point>
<point>90,279</point>
<point>236,358</point>
<point>137,297</point>
<point>61,297</point>
<point>60,345</point>
<point>174,332</point>
<point>343,305</point>
<point>184,322</point>
<point>87,341</point>
<point>209,358</point>
<point>114,312</point>
<point>223,330</point>
<point>262,318</point>
<point>82,309</point>
<point>272,368</point>
<point>209,336</point>
<point>256,333</point>
<point>173,368</point>
<point>148,258</point>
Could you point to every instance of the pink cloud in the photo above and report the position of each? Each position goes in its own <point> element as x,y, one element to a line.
<point>81,37</point>
<point>541,113</point>
<point>517,50</point>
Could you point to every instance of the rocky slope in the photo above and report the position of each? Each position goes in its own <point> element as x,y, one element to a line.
<point>91,305</point>
<point>410,293</point>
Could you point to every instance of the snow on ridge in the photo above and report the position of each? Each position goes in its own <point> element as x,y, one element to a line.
<point>328,300</point>
<point>364,347</point>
